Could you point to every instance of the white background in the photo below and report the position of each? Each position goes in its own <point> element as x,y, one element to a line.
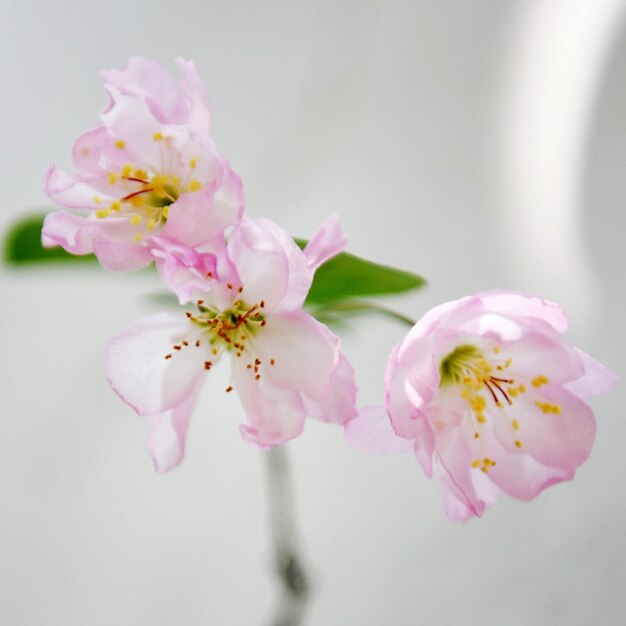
<point>480,143</point>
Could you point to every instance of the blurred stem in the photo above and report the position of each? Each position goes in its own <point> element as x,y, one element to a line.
<point>293,581</point>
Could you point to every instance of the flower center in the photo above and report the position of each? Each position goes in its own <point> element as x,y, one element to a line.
<point>144,195</point>
<point>231,328</point>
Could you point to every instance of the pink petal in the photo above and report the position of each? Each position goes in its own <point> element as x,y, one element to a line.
<point>183,269</point>
<point>561,441</point>
<point>75,234</point>
<point>120,256</point>
<point>73,192</point>
<point>168,431</point>
<point>195,92</point>
<point>271,267</point>
<point>305,353</point>
<point>273,414</point>
<point>339,403</point>
<point>597,378</point>
<point>197,217</point>
<point>524,305</point>
<point>371,432</point>
<point>137,368</point>
<point>327,242</point>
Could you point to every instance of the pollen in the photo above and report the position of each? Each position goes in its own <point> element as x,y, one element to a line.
<point>112,178</point>
<point>135,219</point>
<point>515,424</point>
<point>540,380</point>
<point>518,443</point>
<point>157,137</point>
<point>126,170</point>
<point>102,213</point>
<point>194,185</point>
<point>115,205</point>
<point>547,407</point>
<point>120,143</point>
<point>138,237</point>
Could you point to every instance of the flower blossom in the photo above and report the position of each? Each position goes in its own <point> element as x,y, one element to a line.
<point>150,168</point>
<point>490,398</point>
<point>248,306</point>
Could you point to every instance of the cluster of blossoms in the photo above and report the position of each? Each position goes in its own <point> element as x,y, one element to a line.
<point>483,390</point>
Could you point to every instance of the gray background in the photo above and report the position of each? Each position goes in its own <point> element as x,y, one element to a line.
<point>480,143</point>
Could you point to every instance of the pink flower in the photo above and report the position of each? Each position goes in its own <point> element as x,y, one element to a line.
<point>285,364</point>
<point>150,168</point>
<point>490,398</point>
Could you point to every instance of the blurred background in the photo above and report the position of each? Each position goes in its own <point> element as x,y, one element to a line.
<point>480,144</point>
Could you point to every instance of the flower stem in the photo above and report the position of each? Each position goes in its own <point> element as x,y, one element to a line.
<point>292,578</point>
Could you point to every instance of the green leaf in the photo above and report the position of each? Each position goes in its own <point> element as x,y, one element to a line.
<point>22,244</point>
<point>348,276</point>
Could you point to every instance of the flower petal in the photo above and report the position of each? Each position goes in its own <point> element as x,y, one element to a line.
<point>197,217</point>
<point>75,234</point>
<point>271,266</point>
<point>273,414</point>
<point>167,434</point>
<point>596,379</point>
<point>305,353</point>
<point>339,403</point>
<point>137,368</point>
<point>371,432</point>
<point>327,241</point>
<point>119,256</point>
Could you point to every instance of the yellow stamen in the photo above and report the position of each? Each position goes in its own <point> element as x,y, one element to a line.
<point>138,236</point>
<point>135,219</point>
<point>193,163</point>
<point>158,137</point>
<point>194,185</point>
<point>120,144</point>
<point>112,178</point>
<point>515,424</point>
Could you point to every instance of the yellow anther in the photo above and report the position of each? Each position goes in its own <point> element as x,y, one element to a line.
<point>476,436</point>
<point>150,224</point>
<point>513,392</point>
<point>126,170</point>
<point>176,181</point>
<point>484,470</point>
<point>112,178</point>
<point>101,213</point>
<point>515,424</point>
<point>488,462</point>
<point>120,144</point>
<point>138,237</point>
<point>540,380</point>
<point>522,389</point>
<point>194,185</point>
<point>97,199</point>
<point>193,163</point>
<point>518,443</point>
<point>508,363</point>
<point>158,137</point>
<point>476,463</point>
<point>556,409</point>
<point>115,205</point>
<point>135,219</point>
<point>496,349</point>
<point>214,351</point>
<point>141,174</point>
<point>481,419</point>
<point>165,212</point>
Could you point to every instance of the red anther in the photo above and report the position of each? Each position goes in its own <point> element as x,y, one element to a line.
<point>240,289</point>
<point>200,302</point>
<point>262,303</point>
<point>272,361</point>
<point>185,343</point>
<point>229,285</point>
<point>229,389</point>
<point>168,356</point>
<point>188,313</point>
<point>257,377</point>
<point>197,343</point>
<point>176,347</point>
